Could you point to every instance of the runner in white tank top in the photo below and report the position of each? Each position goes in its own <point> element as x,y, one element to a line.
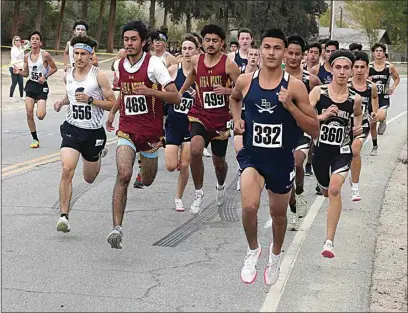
<point>88,94</point>
<point>36,87</point>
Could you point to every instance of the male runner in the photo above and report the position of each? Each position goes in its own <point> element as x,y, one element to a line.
<point>293,58</point>
<point>38,66</point>
<point>323,43</point>
<point>368,92</point>
<point>323,70</point>
<point>88,94</point>
<point>313,55</point>
<point>234,46</point>
<point>270,131</point>
<point>159,39</point>
<point>240,57</point>
<point>141,79</point>
<point>253,61</point>
<point>354,47</point>
<point>380,73</point>
<point>80,28</point>
<point>210,115</point>
<point>336,105</point>
<point>177,124</point>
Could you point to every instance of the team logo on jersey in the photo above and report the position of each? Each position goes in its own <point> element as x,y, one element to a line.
<point>265,107</point>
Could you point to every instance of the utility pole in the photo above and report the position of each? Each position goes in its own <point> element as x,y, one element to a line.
<point>331,25</point>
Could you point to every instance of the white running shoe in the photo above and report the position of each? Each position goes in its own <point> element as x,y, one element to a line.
<point>248,271</point>
<point>206,153</point>
<point>293,220</point>
<point>196,206</point>
<point>301,205</point>
<point>220,195</point>
<point>179,205</point>
<point>355,195</point>
<point>63,225</point>
<point>328,249</point>
<point>272,270</point>
<point>115,238</point>
<point>382,127</point>
<point>374,151</point>
<point>104,152</point>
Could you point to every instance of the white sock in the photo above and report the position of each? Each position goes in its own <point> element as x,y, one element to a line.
<point>354,186</point>
<point>220,186</point>
<point>199,191</point>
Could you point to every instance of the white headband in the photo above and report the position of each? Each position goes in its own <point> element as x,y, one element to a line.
<point>83,46</point>
<point>341,57</point>
<point>80,25</point>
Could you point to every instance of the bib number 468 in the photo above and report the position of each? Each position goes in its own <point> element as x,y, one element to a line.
<point>135,105</point>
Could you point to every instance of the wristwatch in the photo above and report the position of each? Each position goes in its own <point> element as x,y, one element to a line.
<point>90,100</point>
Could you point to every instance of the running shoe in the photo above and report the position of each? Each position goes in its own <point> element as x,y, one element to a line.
<point>248,271</point>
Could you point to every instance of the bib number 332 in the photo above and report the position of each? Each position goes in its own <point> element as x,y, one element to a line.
<point>135,105</point>
<point>267,136</point>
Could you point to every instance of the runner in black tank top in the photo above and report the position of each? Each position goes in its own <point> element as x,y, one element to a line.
<point>380,73</point>
<point>293,58</point>
<point>276,106</point>
<point>336,105</point>
<point>368,92</point>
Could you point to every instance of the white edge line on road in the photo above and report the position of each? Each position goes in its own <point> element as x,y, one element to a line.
<point>276,291</point>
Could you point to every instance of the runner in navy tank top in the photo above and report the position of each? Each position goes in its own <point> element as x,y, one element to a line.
<point>293,59</point>
<point>323,70</point>
<point>177,124</point>
<point>276,106</point>
<point>213,73</point>
<point>240,57</point>
<point>338,109</point>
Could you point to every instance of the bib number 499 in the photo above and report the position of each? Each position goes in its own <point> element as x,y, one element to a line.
<point>213,101</point>
<point>267,136</point>
<point>135,105</point>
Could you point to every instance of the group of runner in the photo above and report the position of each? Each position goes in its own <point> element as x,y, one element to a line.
<point>319,111</point>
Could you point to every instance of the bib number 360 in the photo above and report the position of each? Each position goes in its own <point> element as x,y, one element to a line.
<point>331,135</point>
<point>135,105</point>
<point>213,101</point>
<point>267,136</point>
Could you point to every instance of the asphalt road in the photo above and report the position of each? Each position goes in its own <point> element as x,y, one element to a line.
<point>174,261</point>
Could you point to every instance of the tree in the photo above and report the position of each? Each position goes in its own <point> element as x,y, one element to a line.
<point>58,36</point>
<point>101,14</point>
<point>85,4</point>
<point>165,16</point>
<point>14,30</point>
<point>111,26</point>
<point>39,14</point>
<point>152,11</point>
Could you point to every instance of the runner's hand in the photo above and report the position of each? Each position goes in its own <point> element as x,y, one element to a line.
<point>239,127</point>
<point>109,122</point>
<point>58,105</point>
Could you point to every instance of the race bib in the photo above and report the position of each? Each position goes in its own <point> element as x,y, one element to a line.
<point>267,136</point>
<point>35,76</point>
<point>213,101</point>
<point>184,106</point>
<point>331,134</point>
<point>81,112</point>
<point>380,88</point>
<point>135,105</point>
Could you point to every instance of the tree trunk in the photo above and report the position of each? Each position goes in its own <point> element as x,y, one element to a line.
<point>39,15</point>
<point>111,26</point>
<point>188,23</point>
<point>166,13</point>
<point>14,29</point>
<point>101,14</point>
<point>152,20</point>
<point>85,9</point>
<point>58,35</point>
<point>226,22</point>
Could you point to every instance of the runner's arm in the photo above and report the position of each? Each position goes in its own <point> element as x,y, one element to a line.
<point>374,97</point>
<point>303,112</point>
<point>94,60</point>
<point>236,99</point>
<point>24,72</point>
<point>190,79</point>
<point>66,56</point>
<point>107,92</point>
<point>314,81</point>
<point>358,112</point>
<point>395,77</point>
<point>314,70</point>
<point>51,63</point>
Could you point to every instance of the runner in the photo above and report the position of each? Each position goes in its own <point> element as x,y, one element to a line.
<point>210,115</point>
<point>240,57</point>
<point>293,58</point>
<point>141,79</point>
<point>313,55</point>
<point>368,92</point>
<point>38,66</point>
<point>323,43</point>
<point>159,40</point>
<point>177,124</point>
<point>380,73</point>
<point>234,46</point>
<point>253,61</point>
<point>88,94</point>
<point>270,131</point>
<point>336,105</point>
<point>323,70</point>
<point>80,28</point>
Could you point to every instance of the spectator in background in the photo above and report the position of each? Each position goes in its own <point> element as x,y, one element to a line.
<point>233,46</point>
<point>17,62</point>
<point>355,47</point>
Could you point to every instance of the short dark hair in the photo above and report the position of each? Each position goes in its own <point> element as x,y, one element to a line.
<point>36,32</point>
<point>275,33</point>
<point>297,40</point>
<point>324,41</point>
<point>136,26</point>
<point>245,30</point>
<point>342,53</point>
<point>355,46</point>
<point>213,29</point>
<point>83,39</point>
<point>379,45</point>
<point>316,45</point>
<point>198,37</point>
<point>333,43</point>
<point>362,56</point>
<point>233,42</point>
<point>81,22</point>
<point>190,37</point>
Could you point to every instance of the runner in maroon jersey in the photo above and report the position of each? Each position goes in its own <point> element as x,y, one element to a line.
<point>141,79</point>
<point>212,72</point>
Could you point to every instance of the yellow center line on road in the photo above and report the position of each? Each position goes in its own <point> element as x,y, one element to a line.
<point>49,158</point>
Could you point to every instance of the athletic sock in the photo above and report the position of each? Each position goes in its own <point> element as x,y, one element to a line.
<point>34,134</point>
<point>66,215</point>
<point>375,143</point>
<point>299,190</point>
